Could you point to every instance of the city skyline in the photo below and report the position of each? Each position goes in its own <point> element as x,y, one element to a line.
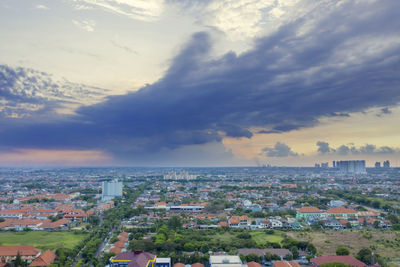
<point>199,83</point>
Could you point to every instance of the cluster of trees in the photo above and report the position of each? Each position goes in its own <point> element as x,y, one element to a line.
<point>38,200</point>
<point>173,241</point>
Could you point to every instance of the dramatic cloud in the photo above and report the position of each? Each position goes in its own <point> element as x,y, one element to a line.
<point>279,150</point>
<point>25,92</point>
<point>243,19</point>
<point>343,57</point>
<point>351,149</point>
<point>146,10</point>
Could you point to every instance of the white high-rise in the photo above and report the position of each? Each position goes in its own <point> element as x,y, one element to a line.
<point>111,190</point>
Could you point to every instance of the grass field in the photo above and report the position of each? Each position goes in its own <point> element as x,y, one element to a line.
<point>260,237</point>
<point>385,243</point>
<point>41,239</point>
<point>225,237</point>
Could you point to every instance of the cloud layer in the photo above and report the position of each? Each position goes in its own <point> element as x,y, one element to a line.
<point>343,57</point>
<point>280,150</point>
<point>146,10</point>
<point>26,93</point>
<point>350,149</point>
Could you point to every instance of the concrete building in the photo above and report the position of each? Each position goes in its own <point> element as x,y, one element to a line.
<point>111,190</point>
<point>226,261</point>
<point>309,213</point>
<point>351,166</point>
<point>377,164</point>
<point>180,176</point>
<point>386,164</point>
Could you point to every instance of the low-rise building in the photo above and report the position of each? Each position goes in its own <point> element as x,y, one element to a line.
<point>225,261</point>
<point>27,253</point>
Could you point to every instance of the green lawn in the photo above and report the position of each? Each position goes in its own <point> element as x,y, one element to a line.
<point>260,237</point>
<point>225,237</point>
<point>41,239</point>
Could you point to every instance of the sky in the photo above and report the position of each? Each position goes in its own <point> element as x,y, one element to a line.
<point>199,82</point>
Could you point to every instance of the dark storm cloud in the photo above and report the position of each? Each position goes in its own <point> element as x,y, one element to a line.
<point>351,149</point>
<point>280,150</point>
<point>332,62</point>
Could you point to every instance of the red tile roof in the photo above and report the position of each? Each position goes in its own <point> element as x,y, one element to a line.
<point>222,224</point>
<point>253,264</point>
<point>198,265</point>
<point>344,259</point>
<point>286,264</point>
<point>341,210</point>
<point>367,214</point>
<point>116,250</point>
<point>23,250</point>
<point>244,218</point>
<point>310,210</point>
<point>44,259</point>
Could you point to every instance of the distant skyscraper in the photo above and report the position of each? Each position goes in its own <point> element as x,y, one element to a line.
<point>324,165</point>
<point>386,164</point>
<point>111,190</point>
<point>351,166</point>
<point>377,164</point>
<point>334,164</point>
<point>317,165</point>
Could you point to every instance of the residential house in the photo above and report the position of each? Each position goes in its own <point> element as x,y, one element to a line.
<point>45,259</point>
<point>27,253</point>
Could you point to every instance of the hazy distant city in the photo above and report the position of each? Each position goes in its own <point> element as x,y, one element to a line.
<point>260,215</point>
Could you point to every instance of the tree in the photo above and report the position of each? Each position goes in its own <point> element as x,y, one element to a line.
<point>393,218</point>
<point>376,224</point>
<point>364,255</point>
<point>244,235</point>
<point>311,248</point>
<point>190,246</point>
<point>174,223</point>
<point>342,251</point>
<point>396,227</point>
<point>18,262</point>
<point>145,245</point>
<point>295,252</point>
<point>288,257</point>
<point>252,257</point>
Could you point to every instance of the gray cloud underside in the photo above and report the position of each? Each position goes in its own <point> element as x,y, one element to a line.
<point>334,61</point>
<point>280,150</point>
<point>343,150</point>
